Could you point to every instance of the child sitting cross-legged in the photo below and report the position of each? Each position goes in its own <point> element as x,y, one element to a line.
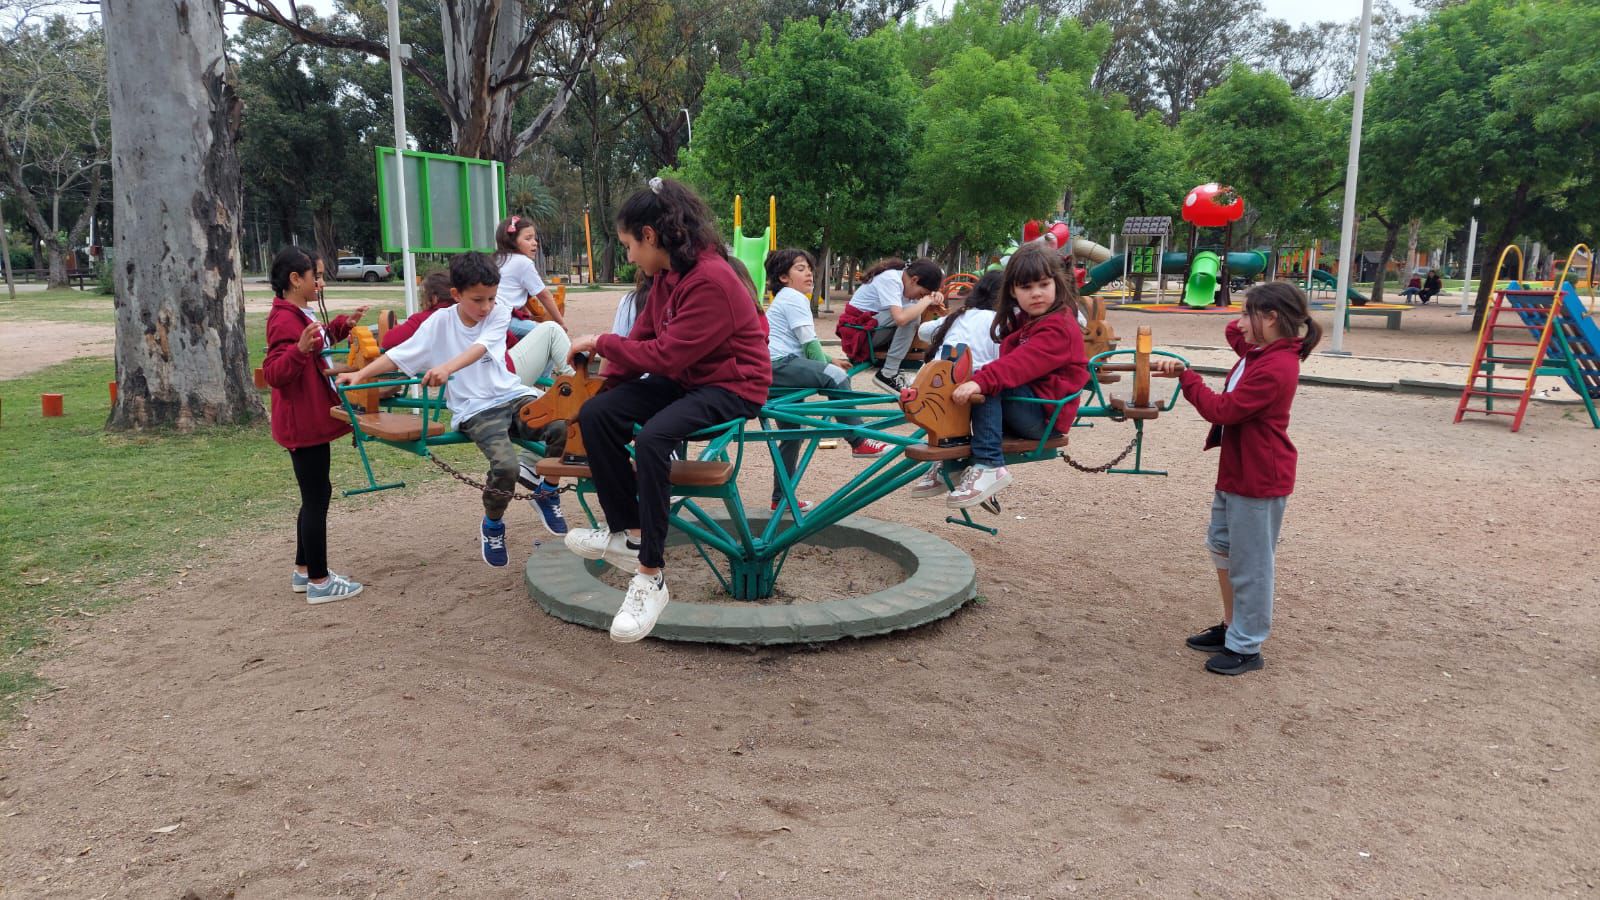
<point>465,346</point>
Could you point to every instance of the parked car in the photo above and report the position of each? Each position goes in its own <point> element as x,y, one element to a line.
<point>356,268</point>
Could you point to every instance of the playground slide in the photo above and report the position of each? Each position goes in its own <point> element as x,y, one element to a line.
<point>1583,336</point>
<point>1330,280</point>
<point>1089,250</point>
<point>1200,287</point>
<point>1245,265</point>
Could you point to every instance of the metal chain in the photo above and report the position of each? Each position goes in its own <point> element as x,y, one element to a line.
<point>1095,470</point>
<point>510,495</point>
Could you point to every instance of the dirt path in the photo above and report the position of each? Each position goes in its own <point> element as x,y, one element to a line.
<point>31,346</point>
<point>1425,726</point>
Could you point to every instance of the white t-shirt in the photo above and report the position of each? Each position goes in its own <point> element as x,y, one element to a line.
<point>519,280</point>
<point>789,324</point>
<point>480,385</point>
<point>1238,373</point>
<point>883,291</point>
<point>622,322</point>
<point>970,328</point>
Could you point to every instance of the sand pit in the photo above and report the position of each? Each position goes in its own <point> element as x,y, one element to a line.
<point>1425,725</point>
<point>31,346</point>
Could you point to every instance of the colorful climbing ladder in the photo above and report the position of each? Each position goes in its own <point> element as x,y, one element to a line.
<point>1548,332</point>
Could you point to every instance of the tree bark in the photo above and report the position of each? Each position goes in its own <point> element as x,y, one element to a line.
<point>1502,239</point>
<point>181,356</point>
<point>1391,237</point>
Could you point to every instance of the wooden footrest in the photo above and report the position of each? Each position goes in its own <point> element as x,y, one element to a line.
<point>925,453</point>
<point>389,426</point>
<point>685,472</point>
<point>1135,412</point>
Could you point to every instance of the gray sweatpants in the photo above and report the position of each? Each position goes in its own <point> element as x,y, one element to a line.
<point>898,343</point>
<point>1243,539</point>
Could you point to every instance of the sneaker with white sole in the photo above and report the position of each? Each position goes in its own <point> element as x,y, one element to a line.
<point>869,449</point>
<point>805,505</point>
<point>493,543</point>
<point>929,485</point>
<point>647,597</point>
<point>298,581</point>
<point>978,484</point>
<point>889,382</point>
<point>602,543</point>
<point>546,503</point>
<point>336,587</point>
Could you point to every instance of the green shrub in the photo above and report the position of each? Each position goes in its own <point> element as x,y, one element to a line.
<point>103,279</point>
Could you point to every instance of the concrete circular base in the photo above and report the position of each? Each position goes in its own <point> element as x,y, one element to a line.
<point>939,579</point>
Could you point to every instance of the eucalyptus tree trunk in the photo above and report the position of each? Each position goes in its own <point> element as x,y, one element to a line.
<point>181,356</point>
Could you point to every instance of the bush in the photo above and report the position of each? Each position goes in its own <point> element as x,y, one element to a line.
<point>21,259</point>
<point>104,279</point>
<point>625,272</point>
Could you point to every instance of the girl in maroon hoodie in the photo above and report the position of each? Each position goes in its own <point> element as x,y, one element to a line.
<point>1041,355</point>
<point>696,357</point>
<point>1250,422</point>
<point>302,395</point>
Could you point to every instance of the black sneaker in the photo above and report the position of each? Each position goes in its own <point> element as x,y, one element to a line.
<point>1230,663</point>
<point>1211,640</point>
<point>890,382</point>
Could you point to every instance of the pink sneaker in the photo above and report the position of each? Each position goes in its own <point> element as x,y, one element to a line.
<point>978,484</point>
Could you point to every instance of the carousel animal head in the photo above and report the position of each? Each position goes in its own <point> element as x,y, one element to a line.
<point>929,402</point>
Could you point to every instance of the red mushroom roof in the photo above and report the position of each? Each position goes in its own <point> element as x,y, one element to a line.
<point>1208,206</point>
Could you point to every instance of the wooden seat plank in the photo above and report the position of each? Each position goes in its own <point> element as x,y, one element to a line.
<point>685,472</point>
<point>1009,446</point>
<point>389,426</point>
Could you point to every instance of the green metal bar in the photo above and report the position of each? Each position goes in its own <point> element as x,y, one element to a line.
<point>832,510</point>
<point>700,549</point>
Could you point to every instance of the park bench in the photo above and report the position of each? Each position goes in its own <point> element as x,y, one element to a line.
<point>1391,316</point>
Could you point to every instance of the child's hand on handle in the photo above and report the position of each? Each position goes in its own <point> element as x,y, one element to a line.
<point>584,345</point>
<point>968,392</point>
<point>310,338</point>
<point>435,376</point>
<point>1167,368</point>
<point>345,379</point>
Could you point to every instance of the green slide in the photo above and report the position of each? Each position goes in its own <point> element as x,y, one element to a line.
<point>1245,265</point>
<point>1350,294</point>
<point>1200,288</point>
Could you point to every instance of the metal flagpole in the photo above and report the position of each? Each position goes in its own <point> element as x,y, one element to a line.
<point>1466,270</point>
<point>1347,232</point>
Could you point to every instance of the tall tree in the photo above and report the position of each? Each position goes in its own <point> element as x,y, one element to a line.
<point>494,53</point>
<point>54,130</point>
<point>1192,44</point>
<point>1135,167</point>
<point>818,119</point>
<point>180,345</point>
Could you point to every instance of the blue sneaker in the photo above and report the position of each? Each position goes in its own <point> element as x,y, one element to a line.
<point>547,503</point>
<point>494,544</point>
<point>298,582</point>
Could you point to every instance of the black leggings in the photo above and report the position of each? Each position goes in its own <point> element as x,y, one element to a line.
<point>311,528</point>
<point>669,414</point>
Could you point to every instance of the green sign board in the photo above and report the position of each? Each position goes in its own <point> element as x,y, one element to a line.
<point>1142,261</point>
<point>452,202</point>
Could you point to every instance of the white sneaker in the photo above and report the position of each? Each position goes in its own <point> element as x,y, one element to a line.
<point>602,543</point>
<point>929,485</point>
<point>978,484</point>
<point>647,597</point>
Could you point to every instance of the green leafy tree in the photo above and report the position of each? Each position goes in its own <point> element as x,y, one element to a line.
<point>821,121</point>
<point>1283,153</point>
<point>1136,167</point>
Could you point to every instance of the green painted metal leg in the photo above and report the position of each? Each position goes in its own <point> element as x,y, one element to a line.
<point>752,578</point>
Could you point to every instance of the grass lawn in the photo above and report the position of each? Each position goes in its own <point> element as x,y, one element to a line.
<point>85,512</point>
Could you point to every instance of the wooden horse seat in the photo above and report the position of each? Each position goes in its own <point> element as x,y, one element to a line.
<point>390,426</point>
<point>925,453</point>
<point>685,472</point>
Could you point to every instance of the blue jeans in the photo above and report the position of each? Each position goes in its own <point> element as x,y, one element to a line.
<point>993,419</point>
<point>1243,539</point>
<point>521,327</point>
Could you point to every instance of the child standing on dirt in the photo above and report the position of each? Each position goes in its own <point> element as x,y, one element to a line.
<point>302,395</point>
<point>465,345</point>
<point>703,344</point>
<point>1255,474</point>
<point>1041,356</point>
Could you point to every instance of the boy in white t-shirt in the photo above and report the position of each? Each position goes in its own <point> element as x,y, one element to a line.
<point>464,348</point>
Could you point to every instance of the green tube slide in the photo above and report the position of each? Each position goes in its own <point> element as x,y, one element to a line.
<point>1331,281</point>
<point>1200,288</point>
<point>1245,265</point>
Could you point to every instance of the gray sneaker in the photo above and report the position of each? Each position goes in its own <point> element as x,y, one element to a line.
<point>298,582</point>
<point>337,587</point>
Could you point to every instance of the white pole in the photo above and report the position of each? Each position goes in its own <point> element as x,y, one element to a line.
<point>1466,270</point>
<point>1347,233</point>
<point>397,89</point>
<point>688,124</point>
